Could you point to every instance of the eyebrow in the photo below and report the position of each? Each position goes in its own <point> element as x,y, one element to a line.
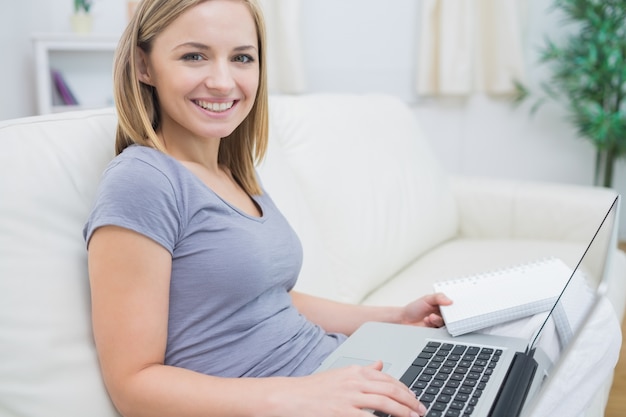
<point>204,47</point>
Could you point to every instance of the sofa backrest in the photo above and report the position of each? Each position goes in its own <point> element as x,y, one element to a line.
<point>356,178</point>
<point>49,167</point>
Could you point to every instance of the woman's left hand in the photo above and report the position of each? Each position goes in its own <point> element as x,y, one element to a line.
<point>425,310</point>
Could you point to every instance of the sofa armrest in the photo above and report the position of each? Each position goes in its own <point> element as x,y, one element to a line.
<point>496,208</point>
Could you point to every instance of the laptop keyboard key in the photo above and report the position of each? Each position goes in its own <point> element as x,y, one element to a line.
<point>410,375</point>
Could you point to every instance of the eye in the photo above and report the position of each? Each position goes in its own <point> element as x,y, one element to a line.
<point>192,57</point>
<point>243,58</point>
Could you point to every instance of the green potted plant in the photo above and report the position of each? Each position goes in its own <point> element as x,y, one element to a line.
<point>588,75</point>
<point>82,6</point>
<point>82,20</point>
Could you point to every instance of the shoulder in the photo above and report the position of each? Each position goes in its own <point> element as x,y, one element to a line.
<point>143,169</point>
<point>140,177</point>
<point>139,191</point>
<point>136,160</point>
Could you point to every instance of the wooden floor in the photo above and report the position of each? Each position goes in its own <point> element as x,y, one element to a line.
<point>617,398</point>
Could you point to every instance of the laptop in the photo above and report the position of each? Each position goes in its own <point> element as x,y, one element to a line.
<point>486,375</point>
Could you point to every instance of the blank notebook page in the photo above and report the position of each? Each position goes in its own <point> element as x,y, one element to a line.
<point>491,298</point>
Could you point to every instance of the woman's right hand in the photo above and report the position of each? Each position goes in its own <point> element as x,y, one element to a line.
<point>347,392</point>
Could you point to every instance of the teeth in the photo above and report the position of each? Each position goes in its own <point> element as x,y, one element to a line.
<point>215,107</point>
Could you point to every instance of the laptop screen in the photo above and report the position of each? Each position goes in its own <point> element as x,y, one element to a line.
<point>586,283</point>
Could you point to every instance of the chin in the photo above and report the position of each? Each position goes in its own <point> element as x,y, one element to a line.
<point>217,132</point>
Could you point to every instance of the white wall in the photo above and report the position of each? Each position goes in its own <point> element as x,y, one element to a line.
<point>18,21</point>
<point>363,46</point>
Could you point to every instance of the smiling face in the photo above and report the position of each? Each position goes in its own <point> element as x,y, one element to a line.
<point>205,69</point>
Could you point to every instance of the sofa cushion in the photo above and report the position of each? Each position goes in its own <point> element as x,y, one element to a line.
<point>366,182</point>
<point>48,173</point>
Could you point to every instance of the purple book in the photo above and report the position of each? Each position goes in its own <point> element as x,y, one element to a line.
<point>64,90</point>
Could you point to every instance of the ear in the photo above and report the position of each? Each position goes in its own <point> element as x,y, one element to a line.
<point>143,69</point>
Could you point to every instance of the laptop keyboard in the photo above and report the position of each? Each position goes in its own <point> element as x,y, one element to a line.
<point>449,379</point>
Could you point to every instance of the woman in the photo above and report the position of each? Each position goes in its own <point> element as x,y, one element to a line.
<point>191,265</point>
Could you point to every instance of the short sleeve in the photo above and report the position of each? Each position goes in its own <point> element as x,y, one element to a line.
<point>136,195</point>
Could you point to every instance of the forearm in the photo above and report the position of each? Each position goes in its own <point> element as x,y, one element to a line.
<point>165,391</point>
<point>336,317</point>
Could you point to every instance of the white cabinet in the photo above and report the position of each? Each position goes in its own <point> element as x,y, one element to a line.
<point>85,62</point>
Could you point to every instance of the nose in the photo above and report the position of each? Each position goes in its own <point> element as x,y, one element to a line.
<point>220,77</point>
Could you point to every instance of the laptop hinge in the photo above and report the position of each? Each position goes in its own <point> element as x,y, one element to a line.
<point>514,390</point>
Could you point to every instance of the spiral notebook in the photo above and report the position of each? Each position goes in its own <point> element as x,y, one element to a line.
<point>500,296</point>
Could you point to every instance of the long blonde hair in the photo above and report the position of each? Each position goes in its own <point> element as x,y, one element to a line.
<point>138,108</point>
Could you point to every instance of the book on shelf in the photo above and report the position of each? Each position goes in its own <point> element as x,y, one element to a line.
<point>496,297</point>
<point>63,88</point>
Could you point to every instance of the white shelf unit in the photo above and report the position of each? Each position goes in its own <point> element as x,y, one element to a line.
<point>86,64</point>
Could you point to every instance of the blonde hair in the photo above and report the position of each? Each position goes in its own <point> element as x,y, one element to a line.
<point>138,108</point>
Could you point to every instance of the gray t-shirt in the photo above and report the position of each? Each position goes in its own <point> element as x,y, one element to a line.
<point>230,313</point>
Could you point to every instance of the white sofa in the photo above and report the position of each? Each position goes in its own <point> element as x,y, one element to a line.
<point>379,219</point>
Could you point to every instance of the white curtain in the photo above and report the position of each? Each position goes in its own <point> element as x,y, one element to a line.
<point>284,50</point>
<point>468,46</point>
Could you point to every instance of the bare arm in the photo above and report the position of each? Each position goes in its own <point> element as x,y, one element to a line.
<point>130,276</point>
<point>345,318</point>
